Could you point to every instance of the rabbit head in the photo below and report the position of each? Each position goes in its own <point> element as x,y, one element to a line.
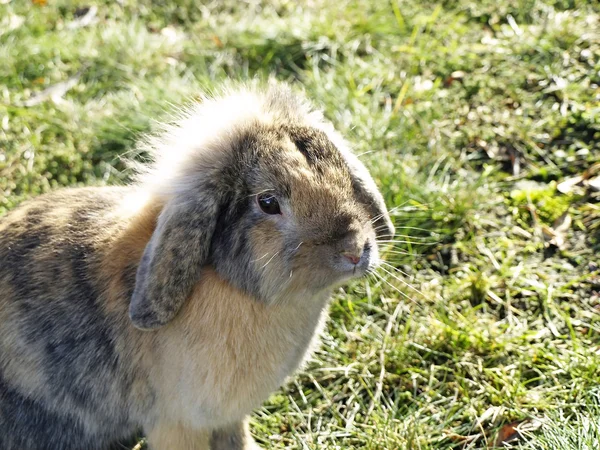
<point>257,185</point>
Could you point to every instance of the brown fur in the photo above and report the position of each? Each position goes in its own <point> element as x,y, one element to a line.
<point>235,297</point>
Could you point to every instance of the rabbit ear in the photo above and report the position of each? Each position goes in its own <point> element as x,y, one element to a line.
<point>172,260</point>
<point>368,194</point>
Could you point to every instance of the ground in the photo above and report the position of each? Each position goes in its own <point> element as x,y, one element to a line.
<point>480,121</point>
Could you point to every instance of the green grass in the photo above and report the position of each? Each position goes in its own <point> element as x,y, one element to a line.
<point>470,115</point>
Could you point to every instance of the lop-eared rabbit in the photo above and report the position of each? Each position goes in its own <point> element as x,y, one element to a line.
<point>174,305</point>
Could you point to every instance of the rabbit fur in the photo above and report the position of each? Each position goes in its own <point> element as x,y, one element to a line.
<point>174,305</point>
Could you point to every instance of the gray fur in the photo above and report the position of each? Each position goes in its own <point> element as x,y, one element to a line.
<point>233,437</point>
<point>367,192</point>
<point>183,234</point>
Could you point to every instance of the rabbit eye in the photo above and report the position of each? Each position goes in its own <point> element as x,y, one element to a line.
<point>268,203</point>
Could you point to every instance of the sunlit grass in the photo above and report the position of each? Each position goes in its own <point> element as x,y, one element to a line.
<point>469,114</point>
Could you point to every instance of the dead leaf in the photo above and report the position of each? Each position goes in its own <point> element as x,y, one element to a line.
<point>527,293</point>
<point>571,185</point>
<point>456,75</point>
<point>521,232</point>
<point>513,431</point>
<point>217,41</point>
<point>592,170</point>
<point>507,434</point>
<point>85,16</point>
<point>171,33</point>
<point>548,233</point>
<point>171,61</point>
<point>563,223</point>
<point>515,160</point>
<point>54,92</point>
<point>461,438</point>
<point>39,2</point>
<point>594,184</point>
<point>422,84</point>
<point>490,414</point>
<point>10,22</point>
<point>589,179</point>
<point>557,234</point>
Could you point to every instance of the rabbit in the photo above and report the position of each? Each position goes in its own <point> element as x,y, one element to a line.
<point>172,306</point>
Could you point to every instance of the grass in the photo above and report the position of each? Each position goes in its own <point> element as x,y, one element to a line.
<point>471,115</point>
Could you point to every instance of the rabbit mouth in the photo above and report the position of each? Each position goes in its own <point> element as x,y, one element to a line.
<point>356,266</point>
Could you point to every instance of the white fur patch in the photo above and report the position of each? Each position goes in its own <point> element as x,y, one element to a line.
<point>206,130</point>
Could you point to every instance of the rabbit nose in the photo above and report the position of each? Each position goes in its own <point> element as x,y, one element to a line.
<point>353,246</point>
<point>353,257</point>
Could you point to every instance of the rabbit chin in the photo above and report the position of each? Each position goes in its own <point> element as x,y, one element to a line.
<point>329,274</point>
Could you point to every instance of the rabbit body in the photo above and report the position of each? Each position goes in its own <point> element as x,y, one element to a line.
<point>73,366</point>
<point>65,376</point>
<point>174,306</point>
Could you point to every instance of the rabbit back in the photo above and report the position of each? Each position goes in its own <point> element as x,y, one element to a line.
<point>63,381</point>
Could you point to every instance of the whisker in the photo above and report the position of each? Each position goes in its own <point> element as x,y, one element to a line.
<point>408,236</point>
<point>408,285</point>
<point>400,252</point>
<point>396,289</point>
<point>397,207</point>
<point>390,211</point>
<point>412,211</point>
<point>262,257</point>
<point>380,227</point>
<point>372,274</point>
<point>377,217</point>
<point>409,215</point>
<point>267,263</point>
<point>365,153</point>
<point>417,229</point>
<point>400,241</point>
<point>394,268</point>
<point>384,236</point>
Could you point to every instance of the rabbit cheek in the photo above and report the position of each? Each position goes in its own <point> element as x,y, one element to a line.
<point>269,260</point>
<point>248,254</point>
<point>232,255</point>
